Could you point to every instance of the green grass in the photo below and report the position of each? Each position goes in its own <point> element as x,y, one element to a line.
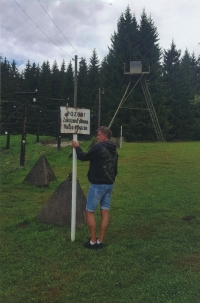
<point>151,254</point>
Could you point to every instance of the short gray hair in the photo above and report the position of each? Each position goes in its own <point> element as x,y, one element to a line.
<point>105,130</point>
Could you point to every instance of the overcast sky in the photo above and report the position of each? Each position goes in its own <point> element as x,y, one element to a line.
<point>78,27</point>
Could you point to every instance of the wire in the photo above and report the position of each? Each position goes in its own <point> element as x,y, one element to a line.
<point>42,30</point>
<point>57,26</point>
<point>11,115</point>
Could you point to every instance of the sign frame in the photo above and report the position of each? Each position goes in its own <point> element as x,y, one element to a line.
<point>74,120</point>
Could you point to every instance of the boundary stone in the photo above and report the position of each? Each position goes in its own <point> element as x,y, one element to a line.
<point>41,174</point>
<point>57,209</point>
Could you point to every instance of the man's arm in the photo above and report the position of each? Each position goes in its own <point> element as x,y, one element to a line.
<point>91,154</point>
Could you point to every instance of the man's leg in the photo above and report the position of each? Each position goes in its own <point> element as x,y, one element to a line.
<point>91,222</point>
<point>104,224</point>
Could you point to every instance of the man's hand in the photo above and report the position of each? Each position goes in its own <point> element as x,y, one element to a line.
<point>75,143</point>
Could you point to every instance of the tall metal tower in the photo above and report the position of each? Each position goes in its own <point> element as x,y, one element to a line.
<point>136,69</point>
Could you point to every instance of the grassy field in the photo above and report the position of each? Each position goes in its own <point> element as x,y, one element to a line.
<point>152,247</point>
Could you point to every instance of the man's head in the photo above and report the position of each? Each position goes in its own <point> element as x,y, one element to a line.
<point>103,134</point>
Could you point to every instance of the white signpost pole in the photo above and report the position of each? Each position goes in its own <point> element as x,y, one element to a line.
<point>74,165</point>
<point>74,186</point>
<point>74,121</point>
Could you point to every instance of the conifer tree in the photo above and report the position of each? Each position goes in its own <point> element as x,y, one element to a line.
<point>125,42</point>
<point>5,76</point>
<point>27,77</point>
<point>195,102</point>
<point>44,89</point>
<point>187,93</point>
<point>5,93</point>
<point>35,71</point>
<point>150,50</point>
<point>45,100</point>
<point>69,88</point>
<point>171,61</point>
<point>180,75</point>
<point>63,80</point>
<point>55,83</point>
<point>93,81</point>
<point>82,94</point>
<point>11,83</point>
<point>172,79</point>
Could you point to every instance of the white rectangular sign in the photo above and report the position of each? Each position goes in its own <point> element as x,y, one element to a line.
<point>74,120</point>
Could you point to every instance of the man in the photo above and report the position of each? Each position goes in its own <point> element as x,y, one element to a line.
<point>103,159</point>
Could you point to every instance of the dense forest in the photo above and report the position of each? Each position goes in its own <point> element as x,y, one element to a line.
<point>173,82</point>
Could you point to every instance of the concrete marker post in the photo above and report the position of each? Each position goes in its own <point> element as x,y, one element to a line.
<point>121,138</point>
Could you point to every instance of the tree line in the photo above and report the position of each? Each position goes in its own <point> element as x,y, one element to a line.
<point>173,82</point>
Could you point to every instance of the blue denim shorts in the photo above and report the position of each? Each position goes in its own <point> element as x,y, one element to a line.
<point>99,194</point>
